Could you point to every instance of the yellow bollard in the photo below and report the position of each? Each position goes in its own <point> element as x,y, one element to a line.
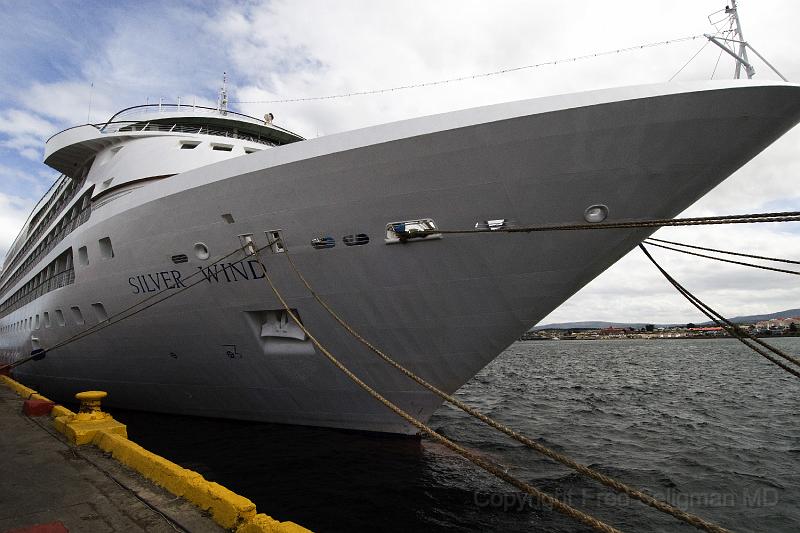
<point>82,427</point>
<point>90,405</point>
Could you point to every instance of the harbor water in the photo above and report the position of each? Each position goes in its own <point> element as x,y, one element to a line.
<point>707,425</point>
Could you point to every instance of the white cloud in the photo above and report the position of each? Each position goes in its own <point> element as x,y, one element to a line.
<point>13,213</point>
<point>31,153</point>
<point>281,49</point>
<point>23,130</point>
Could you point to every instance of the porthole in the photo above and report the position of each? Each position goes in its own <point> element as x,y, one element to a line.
<point>595,213</point>
<point>201,251</point>
<point>60,318</point>
<point>358,239</point>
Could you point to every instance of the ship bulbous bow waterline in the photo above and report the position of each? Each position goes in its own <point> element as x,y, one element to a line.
<point>442,307</point>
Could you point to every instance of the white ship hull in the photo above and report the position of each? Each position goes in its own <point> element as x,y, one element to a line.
<point>443,308</point>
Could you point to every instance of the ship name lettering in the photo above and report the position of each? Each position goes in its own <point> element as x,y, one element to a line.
<point>230,272</point>
<point>166,279</point>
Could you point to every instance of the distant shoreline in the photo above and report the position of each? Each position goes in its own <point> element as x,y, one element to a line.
<point>643,338</point>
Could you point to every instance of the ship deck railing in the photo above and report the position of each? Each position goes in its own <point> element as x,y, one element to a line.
<point>41,251</point>
<point>30,240</point>
<point>56,281</point>
<point>183,109</point>
<point>128,126</point>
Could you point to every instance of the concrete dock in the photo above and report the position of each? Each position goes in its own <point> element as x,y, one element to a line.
<point>46,480</point>
<point>80,472</point>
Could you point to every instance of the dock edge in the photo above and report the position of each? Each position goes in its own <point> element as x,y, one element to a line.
<point>228,509</point>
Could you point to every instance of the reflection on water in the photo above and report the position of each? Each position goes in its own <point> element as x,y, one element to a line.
<point>705,424</point>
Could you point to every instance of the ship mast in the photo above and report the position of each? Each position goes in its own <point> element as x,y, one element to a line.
<point>222,99</point>
<point>734,12</point>
<point>738,38</point>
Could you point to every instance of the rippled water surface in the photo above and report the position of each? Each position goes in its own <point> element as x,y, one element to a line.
<point>707,425</point>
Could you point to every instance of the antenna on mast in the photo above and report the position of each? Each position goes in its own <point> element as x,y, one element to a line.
<point>733,12</point>
<point>222,100</point>
<point>738,38</point>
<point>89,111</point>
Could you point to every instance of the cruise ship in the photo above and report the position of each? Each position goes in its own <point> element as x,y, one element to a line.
<point>159,194</point>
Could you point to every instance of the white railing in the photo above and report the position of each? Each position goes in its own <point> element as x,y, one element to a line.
<point>119,127</point>
<point>183,109</point>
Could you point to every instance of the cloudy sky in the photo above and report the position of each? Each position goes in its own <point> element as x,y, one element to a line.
<point>56,57</point>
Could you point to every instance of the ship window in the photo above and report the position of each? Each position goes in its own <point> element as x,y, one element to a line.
<point>60,317</point>
<point>406,230</point>
<point>38,324</point>
<point>46,319</point>
<point>227,217</point>
<point>275,241</point>
<point>251,150</point>
<point>358,239</point>
<point>83,256</point>
<point>321,243</point>
<point>107,182</point>
<point>189,145</point>
<point>222,147</point>
<point>201,251</point>
<point>106,250</point>
<point>100,312</point>
<point>77,315</point>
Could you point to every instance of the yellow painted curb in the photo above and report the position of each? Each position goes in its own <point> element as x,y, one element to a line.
<point>60,410</point>
<point>262,523</point>
<point>227,508</point>
<point>80,432</point>
<point>19,388</point>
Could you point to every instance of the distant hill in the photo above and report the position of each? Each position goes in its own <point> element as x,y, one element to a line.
<point>597,324</point>
<point>757,318</point>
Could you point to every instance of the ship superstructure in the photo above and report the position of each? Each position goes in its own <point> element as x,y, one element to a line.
<point>158,193</point>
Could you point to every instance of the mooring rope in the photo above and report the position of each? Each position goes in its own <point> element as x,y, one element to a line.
<point>617,485</point>
<point>722,259</point>
<point>729,326</point>
<point>753,218</point>
<point>40,353</point>
<point>541,497</point>
<point>109,321</point>
<point>716,250</point>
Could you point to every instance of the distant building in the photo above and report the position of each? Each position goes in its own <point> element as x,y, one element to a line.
<point>775,325</point>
